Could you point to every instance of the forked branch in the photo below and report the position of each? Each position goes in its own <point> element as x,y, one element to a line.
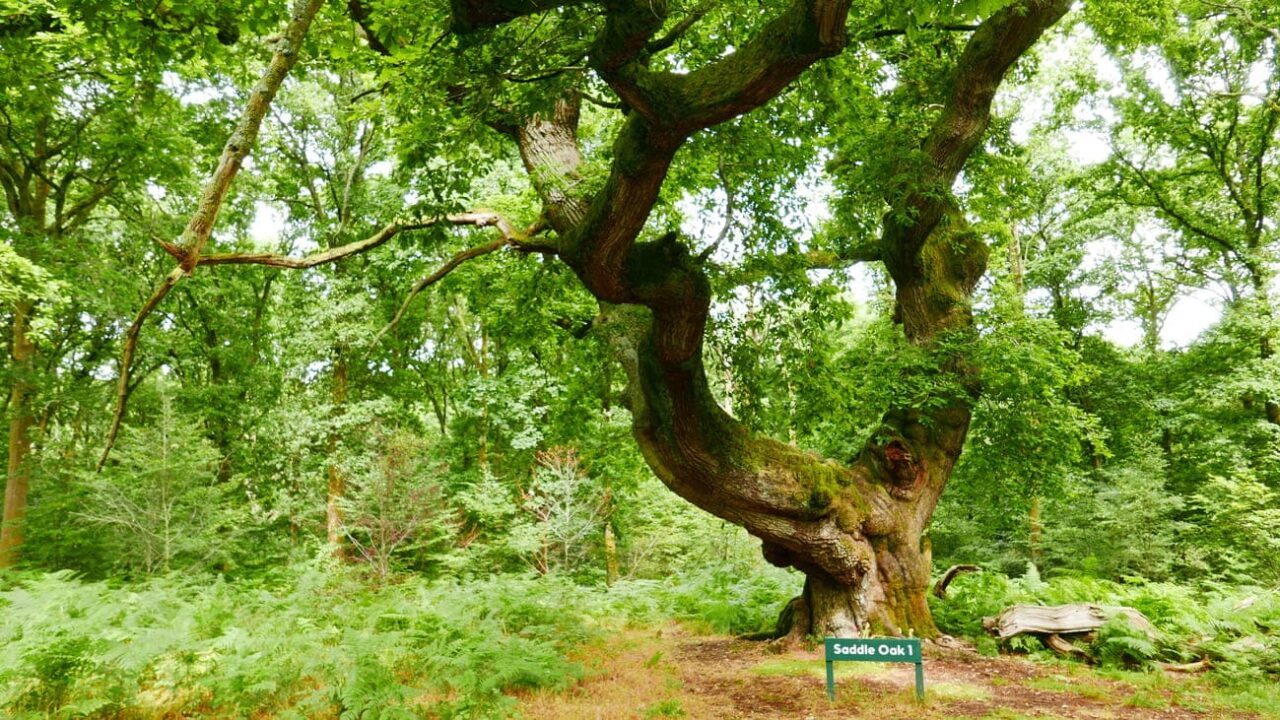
<point>510,236</point>
<point>215,191</point>
<point>246,133</point>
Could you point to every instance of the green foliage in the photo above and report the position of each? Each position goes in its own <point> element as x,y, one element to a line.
<point>972,597</point>
<point>560,510</point>
<point>1231,627</point>
<point>1238,529</point>
<point>1120,644</point>
<point>391,512</point>
<point>320,644</point>
<point>734,599</point>
<point>160,499</point>
<point>451,418</point>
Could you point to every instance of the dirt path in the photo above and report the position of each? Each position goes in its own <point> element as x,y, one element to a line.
<point>671,672</point>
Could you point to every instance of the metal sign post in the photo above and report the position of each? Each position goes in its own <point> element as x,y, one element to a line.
<point>874,650</point>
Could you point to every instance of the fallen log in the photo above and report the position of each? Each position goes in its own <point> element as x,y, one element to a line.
<point>1061,620</point>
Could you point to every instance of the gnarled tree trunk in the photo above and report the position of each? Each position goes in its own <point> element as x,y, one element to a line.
<point>855,529</point>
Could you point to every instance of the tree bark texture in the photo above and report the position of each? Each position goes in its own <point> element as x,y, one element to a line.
<point>21,419</point>
<point>855,529</point>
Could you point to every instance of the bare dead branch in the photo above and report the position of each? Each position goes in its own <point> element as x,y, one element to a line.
<point>940,588</point>
<point>314,259</point>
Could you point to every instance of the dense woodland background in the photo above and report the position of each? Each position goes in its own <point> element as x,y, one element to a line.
<point>325,474</point>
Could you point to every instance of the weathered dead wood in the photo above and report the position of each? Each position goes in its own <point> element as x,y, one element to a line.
<point>1061,620</point>
<point>1191,667</point>
<point>940,587</point>
<point>1061,645</point>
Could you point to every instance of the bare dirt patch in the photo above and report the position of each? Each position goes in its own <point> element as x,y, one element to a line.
<point>673,672</point>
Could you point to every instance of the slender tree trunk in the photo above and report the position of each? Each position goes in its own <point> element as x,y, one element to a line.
<point>610,555</point>
<point>21,418</point>
<point>1035,529</point>
<point>337,483</point>
<point>1260,279</point>
<point>1271,407</point>
<point>1018,296</point>
<point>482,368</point>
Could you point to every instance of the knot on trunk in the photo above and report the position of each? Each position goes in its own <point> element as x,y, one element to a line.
<point>903,471</point>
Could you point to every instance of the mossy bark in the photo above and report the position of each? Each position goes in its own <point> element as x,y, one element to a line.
<point>857,529</point>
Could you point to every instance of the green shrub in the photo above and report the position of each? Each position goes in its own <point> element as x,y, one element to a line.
<point>1119,644</point>
<point>972,597</point>
<point>734,600</point>
<point>322,645</point>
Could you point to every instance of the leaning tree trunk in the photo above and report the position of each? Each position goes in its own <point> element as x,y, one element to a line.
<point>855,529</point>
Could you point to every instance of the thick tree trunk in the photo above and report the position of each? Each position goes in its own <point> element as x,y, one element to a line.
<point>856,530</point>
<point>21,418</point>
<point>890,599</point>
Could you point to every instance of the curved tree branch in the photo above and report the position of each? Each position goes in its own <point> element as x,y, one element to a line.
<point>508,238</point>
<point>992,49</point>
<point>123,389</point>
<point>215,191</point>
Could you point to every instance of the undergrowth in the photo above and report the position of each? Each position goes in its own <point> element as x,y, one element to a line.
<point>318,642</point>
<point>1235,629</point>
<point>322,646</point>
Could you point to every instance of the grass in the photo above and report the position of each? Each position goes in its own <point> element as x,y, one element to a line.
<point>634,679</point>
<point>669,708</point>
<point>956,691</point>
<point>1262,697</point>
<point>1201,693</point>
<point>1147,699</point>
<point>1076,686</point>
<point>1007,714</point>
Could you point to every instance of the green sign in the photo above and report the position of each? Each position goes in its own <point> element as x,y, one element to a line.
<point>874,650</point>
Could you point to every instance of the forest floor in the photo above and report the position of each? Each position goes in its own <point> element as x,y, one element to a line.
<point>673,671</point>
